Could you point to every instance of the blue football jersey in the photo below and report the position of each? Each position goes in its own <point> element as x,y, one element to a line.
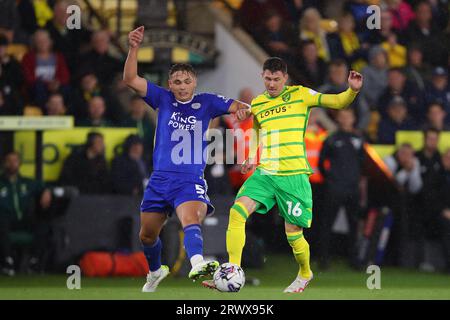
<point>180,133</point>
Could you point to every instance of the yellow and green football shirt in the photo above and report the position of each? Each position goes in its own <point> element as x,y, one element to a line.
<point>280,123</point>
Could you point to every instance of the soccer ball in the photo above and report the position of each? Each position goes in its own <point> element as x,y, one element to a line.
<point>229,277</point>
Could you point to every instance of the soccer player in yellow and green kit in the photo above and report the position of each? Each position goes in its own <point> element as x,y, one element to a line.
<point>282,176</point>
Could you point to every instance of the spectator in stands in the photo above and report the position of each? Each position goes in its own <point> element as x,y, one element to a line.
<point>251,11</point>
<point>312,68</point>
<point>67,41</point>
<point>424,32</point>
<point>11,80</point>
<point>377,36</point>
<point>139,118</point>
<point>89,88</point>
<point>128,170</point>
<point>296,8</point>
<point>395,51</point>
<point>345,44</point>
<point>86,169</point>
<point>436,118</point>
<point>440,11</point>
<point>337,82</point>
<point>239,148</point>
<point>375,75</point>
<point>444,203</point>
<point>45,70</point>
<point>402,14</point>
<point>8,19</point>
<point>340,162</point>
<point>96,114</point>
<point>417,71</point>
<point>405,168</point>
<point>310,29</point>
<point>431,170</point>
<point>278,38</point>
<point>55,105</point>
<point>28,17</point>
<point>438,90</point>
<point>358,9</point>
<point>397,85</point>
<point>99,60</point>
<point>315,135</point>
<point>397,119</point>
<point>18,196</point>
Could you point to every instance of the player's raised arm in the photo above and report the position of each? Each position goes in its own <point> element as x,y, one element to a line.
<point>130,76</point>
<point>343,99</point>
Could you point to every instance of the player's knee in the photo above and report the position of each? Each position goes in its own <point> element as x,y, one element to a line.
<point>148,238</point>
<point>190,219</point>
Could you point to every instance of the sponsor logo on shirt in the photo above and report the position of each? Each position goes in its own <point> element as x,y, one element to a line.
<point>273,111</point>
<point>178,121</point>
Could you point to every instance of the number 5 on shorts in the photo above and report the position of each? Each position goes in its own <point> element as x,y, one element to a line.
<point>296,211</point>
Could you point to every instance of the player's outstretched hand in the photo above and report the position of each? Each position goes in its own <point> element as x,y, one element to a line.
<point>355,80</point>
<point>135,37</point>
<point>247,166</point>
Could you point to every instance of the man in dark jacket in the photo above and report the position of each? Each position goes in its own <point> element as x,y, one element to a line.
<point>17,198</point>
<point>86,167</point>
<point>341,160</point>
<point>444,202</point>
<point>128,170</point>
<point>430,169</point>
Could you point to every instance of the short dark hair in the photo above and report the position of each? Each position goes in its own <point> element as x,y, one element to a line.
<point>430,130</point>
<point>91,136</point>
<point>12,153</point>
<point>306,42</point>
<point>274,64</point>
<point>338,63</point>
<point>183,67</point>
<point>435,103</point>
<point>397,69</point>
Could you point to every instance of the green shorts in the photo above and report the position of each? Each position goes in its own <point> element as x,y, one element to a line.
<point>292,194</point>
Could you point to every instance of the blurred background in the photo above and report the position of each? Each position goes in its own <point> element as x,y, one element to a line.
<point>76,143</point>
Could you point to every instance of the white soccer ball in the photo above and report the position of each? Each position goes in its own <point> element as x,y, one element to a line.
<point>229,277</point>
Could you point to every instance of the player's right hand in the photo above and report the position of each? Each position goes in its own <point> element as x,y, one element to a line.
<point>248,165</point>
<point>135,37</point>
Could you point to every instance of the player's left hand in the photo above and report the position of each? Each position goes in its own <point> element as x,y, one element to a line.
<point>355,80</point>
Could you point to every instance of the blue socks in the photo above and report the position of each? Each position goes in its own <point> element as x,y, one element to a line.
<point>193,242</point>
<point>153,255</point>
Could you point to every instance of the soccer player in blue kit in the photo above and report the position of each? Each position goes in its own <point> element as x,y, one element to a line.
<point>174,184</point>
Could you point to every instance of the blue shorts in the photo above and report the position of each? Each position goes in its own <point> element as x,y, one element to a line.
<point>166,190</point>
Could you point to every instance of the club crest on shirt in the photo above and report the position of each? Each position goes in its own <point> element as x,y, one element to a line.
<point>196,105</point>
<point>286,97</point>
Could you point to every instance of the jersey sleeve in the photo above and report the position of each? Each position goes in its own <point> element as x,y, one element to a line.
<point>311,97</point>
<point>153,96</point>
<point>219,105</point>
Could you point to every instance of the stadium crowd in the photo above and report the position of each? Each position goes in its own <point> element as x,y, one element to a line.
<point>405,65</point>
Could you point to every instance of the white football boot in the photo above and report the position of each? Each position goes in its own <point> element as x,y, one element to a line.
<point>298,285</point>
<point>154,278</point>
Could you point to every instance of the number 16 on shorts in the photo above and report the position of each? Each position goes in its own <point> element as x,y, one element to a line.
<point>296,211</point>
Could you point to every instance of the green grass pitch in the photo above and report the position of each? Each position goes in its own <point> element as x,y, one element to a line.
<point>338,283</point>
